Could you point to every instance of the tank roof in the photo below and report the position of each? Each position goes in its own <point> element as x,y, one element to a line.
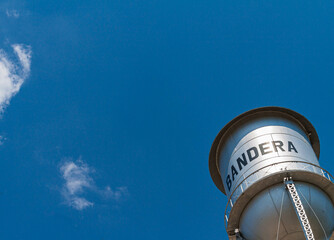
<point>300,119</point>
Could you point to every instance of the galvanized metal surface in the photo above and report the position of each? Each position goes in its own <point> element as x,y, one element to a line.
<point>260,219</point>
<point>300,210</point>
<point>260,148</point>
<point>275,116</point>
<point>255,152</point>
<point>240,206</point>
<point>255,183</point>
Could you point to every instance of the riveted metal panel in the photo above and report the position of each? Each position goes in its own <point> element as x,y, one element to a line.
<point>232,133</point>
<point>248,161</point>
<point>260,218</point>
<point>261,148</point>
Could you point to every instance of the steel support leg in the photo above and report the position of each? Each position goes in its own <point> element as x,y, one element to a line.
<point>299,208</point>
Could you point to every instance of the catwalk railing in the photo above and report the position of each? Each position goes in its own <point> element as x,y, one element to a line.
<point>273,168</point>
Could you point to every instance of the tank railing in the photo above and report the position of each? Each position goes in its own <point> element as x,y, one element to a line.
<point>254,177</point>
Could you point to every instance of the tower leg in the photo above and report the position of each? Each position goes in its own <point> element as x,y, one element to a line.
<point>299,208</point>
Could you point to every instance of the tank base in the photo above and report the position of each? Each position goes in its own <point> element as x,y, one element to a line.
<point>263,219</point>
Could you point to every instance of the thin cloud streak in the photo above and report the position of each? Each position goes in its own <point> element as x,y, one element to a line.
<point>12,13</point>
<point>24,55</point>
<point>117,194</point>
<point>13,74</point>
<point>78,182</point>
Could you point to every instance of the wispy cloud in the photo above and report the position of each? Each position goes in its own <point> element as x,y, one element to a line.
<point>13,73</point>
<point>24,54</point>
<point>78,181</point>
<point>2,140</point>
<point>116,194</point>
<point>12,13</point>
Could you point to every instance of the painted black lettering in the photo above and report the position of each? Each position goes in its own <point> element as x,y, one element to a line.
<point>278,144</point>
<point>291,147</point>
<point>234,172</point>
<point>263,148</point>
<point>255,155</point>
<point>228,182</point>
<point>243,161</point>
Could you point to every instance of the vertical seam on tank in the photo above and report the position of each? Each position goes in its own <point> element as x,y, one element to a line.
<point>277,209</point>
<point>309,194</point>
<point>272,138</point>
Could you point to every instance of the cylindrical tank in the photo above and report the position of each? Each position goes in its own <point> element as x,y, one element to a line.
<point>249,160</point>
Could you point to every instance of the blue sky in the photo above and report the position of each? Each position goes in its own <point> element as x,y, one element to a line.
<point>109,108</point>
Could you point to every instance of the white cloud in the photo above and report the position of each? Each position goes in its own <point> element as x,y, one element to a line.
<point>80,203</point>
<point>2,140</point>
<point>117,194</point>
<point>24,55</point>
<point>77,182</point>
<point>76,176</point>
<point>13,74</point>
<point>12,13</point>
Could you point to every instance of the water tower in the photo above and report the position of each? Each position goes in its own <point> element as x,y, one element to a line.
<point>266,162</point>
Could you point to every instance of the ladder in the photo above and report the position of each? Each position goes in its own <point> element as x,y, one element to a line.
<point>299,208</point>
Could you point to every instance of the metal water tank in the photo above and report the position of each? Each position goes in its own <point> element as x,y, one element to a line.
<point>266,162</point>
